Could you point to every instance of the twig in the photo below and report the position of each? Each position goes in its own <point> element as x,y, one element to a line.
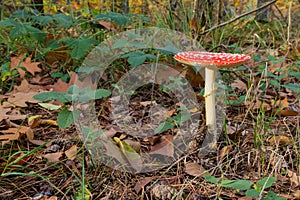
<point>238,17</point>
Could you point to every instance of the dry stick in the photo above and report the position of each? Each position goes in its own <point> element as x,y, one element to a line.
<point>238,17</point>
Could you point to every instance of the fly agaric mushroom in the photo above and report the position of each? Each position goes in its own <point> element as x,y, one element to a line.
<point>211,62</point>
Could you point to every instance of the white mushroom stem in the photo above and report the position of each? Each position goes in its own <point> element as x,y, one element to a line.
<point>210,102</point>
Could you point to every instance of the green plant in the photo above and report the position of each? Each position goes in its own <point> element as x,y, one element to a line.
<point>257,191</point>
<point>67,117</point>
<point>174,121</point>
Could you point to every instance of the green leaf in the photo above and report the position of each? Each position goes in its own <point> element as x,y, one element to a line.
<point>151,56</point>
<point>65,118</point>
<point>135,61</point>
<point>237,184</point>
<point>181,117</point>
<point>273,196</point>
<point>36,33</point>
<point>252,193</point>
<point>102,93</point>
<point>18,31</point>
<point>81,47</point>
<point>63,20</point>
<point>43,20</point>
<point>211,179</point>
<point>48,96</point>
<point>137,57</point>
<point>114,17</point>
<point>164,127</point>
<point>83,194</point>
<point>21,14</point>
<point>294,74</point>
<point>266,182</point>
<point>49,106</point>
<point>53,44</point>
<point>275,83</point>
<point>293,87</point>
<point>120,43</point>
<point>87,94</point>
<point>133,54</point>
<point>8,23</point>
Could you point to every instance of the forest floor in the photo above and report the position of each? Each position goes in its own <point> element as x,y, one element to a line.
<point>44,156</point>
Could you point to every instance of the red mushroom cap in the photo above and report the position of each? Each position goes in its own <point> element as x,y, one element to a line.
<point>220,60</point>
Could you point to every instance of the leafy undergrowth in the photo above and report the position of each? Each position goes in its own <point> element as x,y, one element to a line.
<point>43,156</point>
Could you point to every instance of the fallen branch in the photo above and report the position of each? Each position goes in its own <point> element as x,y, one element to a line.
<point>238,17</point>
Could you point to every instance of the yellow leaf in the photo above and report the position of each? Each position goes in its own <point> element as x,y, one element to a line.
<point>280,140</point>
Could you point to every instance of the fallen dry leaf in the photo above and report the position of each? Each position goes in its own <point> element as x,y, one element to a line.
<point>71,153</point>
<point>26,87</point>
<point>134,144</point>
<point>164,146</point>
<point>142,183</point>
<point>52,198</point>
<point>37,142</point>
<point>263,105</point>
<point>281,103</point>
<point>61,86</point>
<point>289,111</point>
<point>108,26</point>
<point>294,178</point>
<point>194,169</point>
<point>224,151</point>
<point>20,99</point>
<point>239,84</point>
<point>296,194</point>
<point>29,133</point>
<point>147,103</point>
<point>17,132</point>
<point>31,67</point>
<point>280,140</point>
<point>160,191</point>
<point>11,114</point>
<point>53,157</point>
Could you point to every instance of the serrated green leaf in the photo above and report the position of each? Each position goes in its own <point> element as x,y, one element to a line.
<point>36,33</point>
<point>294,74</point>
<point>266,182</point>
<point>65,118</point>
<point>53,44</point>
<point>293,87</point>
<point>8,23</point>
<point>43,20</point>
<point>275,83</point>
<point>21,14</point>
<point>18,31</point>
<point>63,20</point>
<point>81,46</point>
